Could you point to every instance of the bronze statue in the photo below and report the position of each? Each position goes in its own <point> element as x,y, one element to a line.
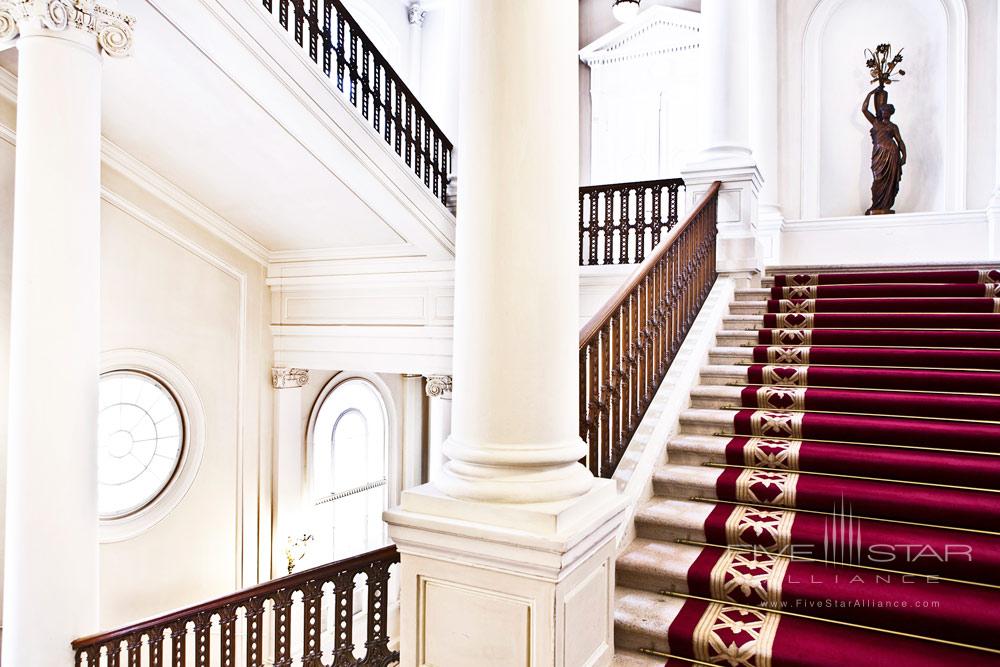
<point>888,149</point>
<point>888,154</point>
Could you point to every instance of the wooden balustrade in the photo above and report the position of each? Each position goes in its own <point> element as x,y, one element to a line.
<point>277,623</point>
<point>621,223</point>
<point>336,43</point>
<point>626,348</point>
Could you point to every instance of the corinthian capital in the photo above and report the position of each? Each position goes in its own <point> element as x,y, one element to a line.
<point>416,14</point>
<point>113,29</point>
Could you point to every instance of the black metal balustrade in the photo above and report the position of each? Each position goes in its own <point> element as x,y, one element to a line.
<point>620,223</point>
<point>337,44</point>
<point>254,627</point>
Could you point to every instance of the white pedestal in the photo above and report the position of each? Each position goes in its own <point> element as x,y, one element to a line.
<point>741,245</point>
<point>507,585</point>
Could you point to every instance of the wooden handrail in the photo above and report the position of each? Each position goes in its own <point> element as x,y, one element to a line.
<point>221,613</point>
<point>628,345</point>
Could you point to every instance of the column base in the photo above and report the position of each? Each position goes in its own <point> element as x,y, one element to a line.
<point>505,585</point>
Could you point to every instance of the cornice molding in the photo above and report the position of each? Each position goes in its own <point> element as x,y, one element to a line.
<point>113,29</point>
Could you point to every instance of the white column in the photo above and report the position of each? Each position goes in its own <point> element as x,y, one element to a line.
<point>415,14</point>
<point>438,390</point>
<point>289,463</point>
<point>413,431</point>
<point>993,208</point>
<point>51,542</point>
<point>726,155</point>
<point>763,109</point>
<point>508,560</point>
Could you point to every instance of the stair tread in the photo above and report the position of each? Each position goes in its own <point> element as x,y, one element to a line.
<point>642,618</point>
<point>626,658</point>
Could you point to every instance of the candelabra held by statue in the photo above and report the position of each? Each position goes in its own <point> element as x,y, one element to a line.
<point>888,149</point>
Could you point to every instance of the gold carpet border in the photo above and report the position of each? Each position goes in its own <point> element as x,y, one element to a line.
<point>756,574</point>
<point>764,423</point>
<point>788,355</point>
<point>753,484</point>
<point>757,636</point>
<point>785,376</point>
<point>775,522</point>
<point>775,453</point>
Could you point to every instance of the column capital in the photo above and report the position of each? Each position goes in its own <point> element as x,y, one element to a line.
<point>113,29</point>
<point>289,378</point>
<point>438,386</point>
<point>416,14</point>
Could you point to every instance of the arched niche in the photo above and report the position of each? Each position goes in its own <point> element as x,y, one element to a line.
<point>930,103</point>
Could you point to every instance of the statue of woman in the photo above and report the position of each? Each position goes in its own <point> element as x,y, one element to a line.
<point>888,154</point>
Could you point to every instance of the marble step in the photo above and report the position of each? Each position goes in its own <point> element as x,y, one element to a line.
<point>685,482</point>
<point>696,421</point>
<point>748,308</point>
<point>670,519</point>
<point>655,566</point>
<point>753,294</point>
<point>735,338</point>
<point>742,322</point>
<point>715,396</point>
<point>727,356</point>
<point>697,449</point>
<point>626,658</point>
<point>723,374</point>
<point>642,619</point>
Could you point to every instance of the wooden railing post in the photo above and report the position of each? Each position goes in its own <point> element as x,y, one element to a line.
<point>627,347</point>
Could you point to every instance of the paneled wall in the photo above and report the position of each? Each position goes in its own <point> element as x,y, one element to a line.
<point>173,290</point>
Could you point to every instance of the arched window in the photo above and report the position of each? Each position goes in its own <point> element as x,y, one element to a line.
<point>349,445</point>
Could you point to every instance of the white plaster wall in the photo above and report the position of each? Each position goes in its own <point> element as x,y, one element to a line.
<point>172,288</point>
<point>201,305</point>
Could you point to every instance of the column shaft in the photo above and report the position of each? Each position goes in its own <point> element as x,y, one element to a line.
<point>51,541</point>
<point>725,86</point>
<point>515,412</point>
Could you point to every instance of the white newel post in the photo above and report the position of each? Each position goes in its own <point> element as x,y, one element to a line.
<point>993,208</point>
<point>438,390</point>
<point>508,560</point>
<point>727,156</point>
<point>51,542</point>
<point>763,110</point>
<point>289,463</point>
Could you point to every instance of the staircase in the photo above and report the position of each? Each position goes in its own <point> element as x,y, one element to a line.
<point>844,440</point>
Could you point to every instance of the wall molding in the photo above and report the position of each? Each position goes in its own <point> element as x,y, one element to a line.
<point>956,97</point>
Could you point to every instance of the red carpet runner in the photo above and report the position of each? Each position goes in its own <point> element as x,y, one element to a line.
<point>860,500</point>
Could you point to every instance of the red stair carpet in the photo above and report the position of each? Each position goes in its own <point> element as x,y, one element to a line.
<point>857,517</point>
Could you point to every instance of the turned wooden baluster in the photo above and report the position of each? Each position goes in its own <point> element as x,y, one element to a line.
<point>134,647</point>
<point>343,591</point>
<point>178,643</point>
<point>227,636</point>
<point>255,631</point>
<point>378,653</point>
<point>639,226</point>
<point>624,225</point>
<point>312,626</point>
<point>282,610</point>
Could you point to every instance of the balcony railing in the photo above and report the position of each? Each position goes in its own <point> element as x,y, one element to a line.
<point>254,627</point>
<point>621,223</point>
<point>336,43</point>
<point>627,347</point>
